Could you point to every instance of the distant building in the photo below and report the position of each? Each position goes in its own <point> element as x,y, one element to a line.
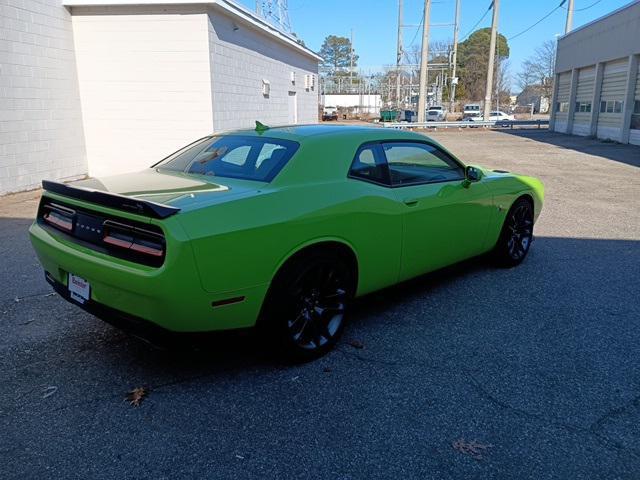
<point>354,103</point>
<point>597,84</point>
<point>534,94</point>
<point>107,86</point>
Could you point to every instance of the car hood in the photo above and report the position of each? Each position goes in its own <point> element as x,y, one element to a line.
<point>184,191</point>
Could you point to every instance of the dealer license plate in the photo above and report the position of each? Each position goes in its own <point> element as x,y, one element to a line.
<point>79,288</point>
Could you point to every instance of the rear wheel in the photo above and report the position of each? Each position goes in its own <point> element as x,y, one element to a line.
<point>306,306</point>
<point>517,234</point>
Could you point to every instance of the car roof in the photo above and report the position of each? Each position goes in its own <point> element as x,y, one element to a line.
<point>300,133</point>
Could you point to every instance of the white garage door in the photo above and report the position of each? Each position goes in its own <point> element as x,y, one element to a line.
<point>562,102</point>
<point>634,136</point>
<point>611,106</point>
<point>584,98</point>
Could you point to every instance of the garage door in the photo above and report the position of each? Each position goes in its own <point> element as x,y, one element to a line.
<point>584,97</point>
<point>614,84</point>
<point>562,102</point>
<point>634,136</point>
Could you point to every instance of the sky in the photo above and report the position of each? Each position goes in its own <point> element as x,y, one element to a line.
<point>374,23</point>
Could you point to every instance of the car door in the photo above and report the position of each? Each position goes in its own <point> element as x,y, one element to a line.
<point>445,216</point>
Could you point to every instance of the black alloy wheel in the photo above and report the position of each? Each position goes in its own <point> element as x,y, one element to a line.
<point>517,234</point>
<point>319,295</point>
<point>306,308</point>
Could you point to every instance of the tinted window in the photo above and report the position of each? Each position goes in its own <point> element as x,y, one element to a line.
<point>233,156</point>
<point>368,164</point>
<point>419,163</point>
<point>635,118</point>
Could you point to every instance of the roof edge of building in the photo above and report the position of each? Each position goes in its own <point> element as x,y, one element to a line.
<point>229,6</point>
<point>610,14</point>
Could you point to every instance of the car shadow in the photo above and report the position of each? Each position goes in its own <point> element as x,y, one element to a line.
<point>601,271</point>
<point>627,154</point>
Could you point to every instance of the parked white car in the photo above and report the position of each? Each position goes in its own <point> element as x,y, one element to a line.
<point>436,114</point>
<point>497,116</point>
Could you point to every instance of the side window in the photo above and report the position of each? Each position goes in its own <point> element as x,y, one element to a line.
<point>411,163</point>
<point>368,165</point>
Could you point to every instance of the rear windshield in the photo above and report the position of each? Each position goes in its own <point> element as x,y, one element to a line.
<point>232,156</point>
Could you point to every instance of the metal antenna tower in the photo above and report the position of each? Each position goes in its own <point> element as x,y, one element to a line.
<point>276,12</point>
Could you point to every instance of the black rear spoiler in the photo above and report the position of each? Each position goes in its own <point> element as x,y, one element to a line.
<point>111,200</point>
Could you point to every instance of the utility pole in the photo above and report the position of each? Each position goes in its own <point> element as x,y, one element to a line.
<point>399,54</point>
<point>492,54</point>
<point>569,25</point>
<point>351,66</point>
<point>424,61</point>
<point>452,88</point>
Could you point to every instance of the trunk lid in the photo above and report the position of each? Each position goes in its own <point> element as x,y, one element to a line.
<point>183,191</point>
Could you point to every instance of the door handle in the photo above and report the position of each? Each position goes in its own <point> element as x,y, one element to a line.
<point>410,202</point>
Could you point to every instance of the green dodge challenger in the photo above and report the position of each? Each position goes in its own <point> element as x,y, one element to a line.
<point>277,228</point>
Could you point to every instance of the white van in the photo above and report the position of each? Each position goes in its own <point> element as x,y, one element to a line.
<point>471,110</point>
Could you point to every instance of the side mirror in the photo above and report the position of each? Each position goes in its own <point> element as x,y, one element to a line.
<point>471,174</point>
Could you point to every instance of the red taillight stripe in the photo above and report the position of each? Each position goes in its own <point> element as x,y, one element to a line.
<point>148,250</point>
<point>58,222</point>
<point>117,242</point>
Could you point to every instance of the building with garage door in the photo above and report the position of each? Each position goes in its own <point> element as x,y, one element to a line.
<point>101,87</point>
<point>597,84</point>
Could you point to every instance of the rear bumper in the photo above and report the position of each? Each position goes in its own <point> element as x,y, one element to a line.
<point>129,323</point>
<point>170,298</point>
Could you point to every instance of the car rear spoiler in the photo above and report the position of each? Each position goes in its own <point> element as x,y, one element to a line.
<point>111,200</point>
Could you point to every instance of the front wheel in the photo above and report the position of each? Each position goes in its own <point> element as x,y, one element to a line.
<point>516,235</point>
<point>306,306</point>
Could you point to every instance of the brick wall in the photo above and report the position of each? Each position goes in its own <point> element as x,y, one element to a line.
<point>41,134</point>
<point>241,58</point>
<point>144,82</point>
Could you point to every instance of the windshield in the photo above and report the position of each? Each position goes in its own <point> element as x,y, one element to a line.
<point>472,107</point>
<point>232,156</point>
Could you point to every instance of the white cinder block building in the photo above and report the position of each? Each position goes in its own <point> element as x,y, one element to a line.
<point>597,87</point>
<point>129,82</point>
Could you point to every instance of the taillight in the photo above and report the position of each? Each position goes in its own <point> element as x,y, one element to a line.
<point>59,216</point>
<point>132,238</point>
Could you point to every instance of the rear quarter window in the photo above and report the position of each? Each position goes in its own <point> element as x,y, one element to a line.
<point>233,156</point>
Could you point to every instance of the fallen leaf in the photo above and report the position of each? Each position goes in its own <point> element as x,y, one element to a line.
<point>356,344</point>
<point>240,457</point>
<point>135,396</point>
<point>473,449</point>
<point>48,391</point>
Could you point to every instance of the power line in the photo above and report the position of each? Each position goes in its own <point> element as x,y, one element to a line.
<point>539,21</point>
<point>583,8</point>
<point>417,29</point>
<point>471,30</point>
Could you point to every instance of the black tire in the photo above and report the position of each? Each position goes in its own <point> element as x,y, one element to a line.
<point>305,310</point>
<point>516,235</point>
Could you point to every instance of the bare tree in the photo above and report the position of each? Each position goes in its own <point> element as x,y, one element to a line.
<point>539,68</point>
<point>527,76</point>
<point>503,81</point>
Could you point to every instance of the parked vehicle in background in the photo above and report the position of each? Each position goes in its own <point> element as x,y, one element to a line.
<point>408,116</point>
<point>329,113</point>
<point>471,110</point>
<point>497,116</point>
<point>436,114</point>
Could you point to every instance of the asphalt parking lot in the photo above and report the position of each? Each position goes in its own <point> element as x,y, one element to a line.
<point>472,372</point>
